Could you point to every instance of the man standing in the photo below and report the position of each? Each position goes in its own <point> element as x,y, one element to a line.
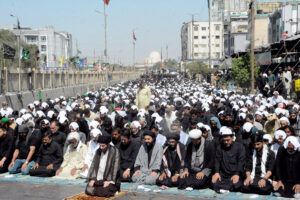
<point>287,169</point>
<point>229,163</point>
<point>104,173</point>
<point>143,96</point>
<point>25,153</point>
<point>199,162</point>
<point>287,80</point>
<point>49,158</point>
<point>148,161</point>
<point>271,80</point>
<point>259,168</point>
<point>172,162</point>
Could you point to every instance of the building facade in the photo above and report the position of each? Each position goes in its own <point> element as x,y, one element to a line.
<point>52,44</point>
<point>195,41</point>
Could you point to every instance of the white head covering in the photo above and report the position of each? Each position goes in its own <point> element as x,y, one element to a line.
<point>74,125</point>
<point>279,133</point>
<point>285,119</point>
<point>19,121</point>
<point>195,134</point>
<point>136,124</point>
<point>247,127</point>
<point>94,124</point>
<point>95,132</point>
<point>268,137</point>
<point>224,130</point>
<point>50,113</point>
<point>294,141</point>
<point>73,135</point>
<point>63,119</point>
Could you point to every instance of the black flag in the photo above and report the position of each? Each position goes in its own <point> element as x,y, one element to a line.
<point>8,52</point>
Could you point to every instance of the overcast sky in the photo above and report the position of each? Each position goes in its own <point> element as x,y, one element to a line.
<point>157,23</point>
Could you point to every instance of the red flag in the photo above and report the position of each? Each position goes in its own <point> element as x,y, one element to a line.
<point>106,2</point>
<point>134,36</point>
<point>284,35</point>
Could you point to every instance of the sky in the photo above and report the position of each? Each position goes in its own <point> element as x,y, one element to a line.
<point>157,23</point>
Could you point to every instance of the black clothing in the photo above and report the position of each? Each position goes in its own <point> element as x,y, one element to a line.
<point>6,150</point>
<point>24,147</point>
<point>51,154</point>
<point>59,138</point>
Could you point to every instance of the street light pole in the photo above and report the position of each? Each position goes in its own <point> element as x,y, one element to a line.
<point>19,38</point>
<point>252,43</point>
<point>105,32</point>
<point>209,34</point>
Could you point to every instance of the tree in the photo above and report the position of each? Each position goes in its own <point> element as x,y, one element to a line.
<point>171,64</point>
<point>241,71</point>
<point>199,67</point>
<point>11,39</point>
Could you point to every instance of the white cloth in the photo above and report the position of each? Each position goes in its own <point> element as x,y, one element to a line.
<point>102,165</point>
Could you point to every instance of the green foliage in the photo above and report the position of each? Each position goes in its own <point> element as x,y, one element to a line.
<point>199,67</point>
<point>171,64</point>
<point>11,39</point>
<point>241,71</point>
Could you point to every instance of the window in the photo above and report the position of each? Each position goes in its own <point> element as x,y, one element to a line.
<point>196,37</point>
<point>31,38</point>
<point>203,45</point>
<point>217,45</point>
<point>196,28</point>
<point>217,37</point>
<point>203,28</point>
<point>196,54</point>
<point>203,37</point>
<point>43,38</point>
<point>43,48</point>
<point>196,45</point>
<point>217,27</point>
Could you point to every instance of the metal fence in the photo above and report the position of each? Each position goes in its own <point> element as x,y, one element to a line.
<point>30,79</point>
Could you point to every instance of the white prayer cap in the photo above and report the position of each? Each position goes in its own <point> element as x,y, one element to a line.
<point>74,125</point>
<point>44,105</point>
<point>221,113</point>
<point>155,115</point>
<point>235,107</point>
<point>136,124</point>
<point>40,113</point>
<point>31,106</point>
<point>224,130</point>
<point>258,113</point>
<point>134,107</point>
<point>294,141</point>
<point>94,124</point>
<point>50,113</point>
<point>27,116</point>
<point>56,100</point>
<point>36,103</point>
<point>63,119</point>
<point>296,107</point>
<point>265,113</point>
<point>285,119</point>
<point>278,111</point>
<point>73,135</point>
<point>64,103</point>
<point>241,103</point>
<point>247,127</point>
<point>195,134</point>
<point>68,108</point>
<point>87,106</point>
<point>45,121</point>
<point>244,110</point>
<point>268,137</point>
<point>23,111</point>
<point>95,132</point>
<point>242,115</point>
<point>200,125</point>
<point>19,121</point>
<point>103,110</point>
<point>121,113</point>
<point>158,119</point>
<point>279,133</point>
<point>73,105</point>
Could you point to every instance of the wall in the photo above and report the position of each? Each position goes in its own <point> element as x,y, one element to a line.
<point>54,84</point>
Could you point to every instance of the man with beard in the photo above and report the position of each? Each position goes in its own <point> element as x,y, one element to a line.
<point>229,163</point>
<point>294,123</point>
<point>116,137</point>
<point>49,158</point>
<point>104,174</point>
<point>56,135</point>
<point>106,127</point>
<point>172,161</point>
<point>199,162</point>
<point>92,148</point>
<point>132,115</point>
<point>128,152</point>
<point>287,169</point>
<point>6,149</point>
<point>45,126</point>
<point>148,161</point>
<point>25,153</point>
<point>73,158</point>
<point>259,168</point>
<point>136,133</point>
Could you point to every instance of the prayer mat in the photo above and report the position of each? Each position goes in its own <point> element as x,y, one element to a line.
<point>83,196</point>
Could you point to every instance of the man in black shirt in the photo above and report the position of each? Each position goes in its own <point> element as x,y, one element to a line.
<point>56,135</point>
<point>49,158</point>
<point>6,149</point>
<point>229,163</point>
<point>25,153</point>
<point>128,152</point>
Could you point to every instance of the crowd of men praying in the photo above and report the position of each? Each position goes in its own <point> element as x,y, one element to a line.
<point>167,131</point>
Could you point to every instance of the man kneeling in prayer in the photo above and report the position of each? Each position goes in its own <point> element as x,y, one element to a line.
<point>104,173</point>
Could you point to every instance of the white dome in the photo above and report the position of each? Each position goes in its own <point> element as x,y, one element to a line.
<point>154,57</point>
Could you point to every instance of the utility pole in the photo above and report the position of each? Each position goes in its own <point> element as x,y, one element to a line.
<point>209,34</point>
<point>193,37</point>
<point>252,43</point>
<point>105,31</point>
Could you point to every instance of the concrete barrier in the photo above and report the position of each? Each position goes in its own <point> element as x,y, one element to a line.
<point>22,99</point>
